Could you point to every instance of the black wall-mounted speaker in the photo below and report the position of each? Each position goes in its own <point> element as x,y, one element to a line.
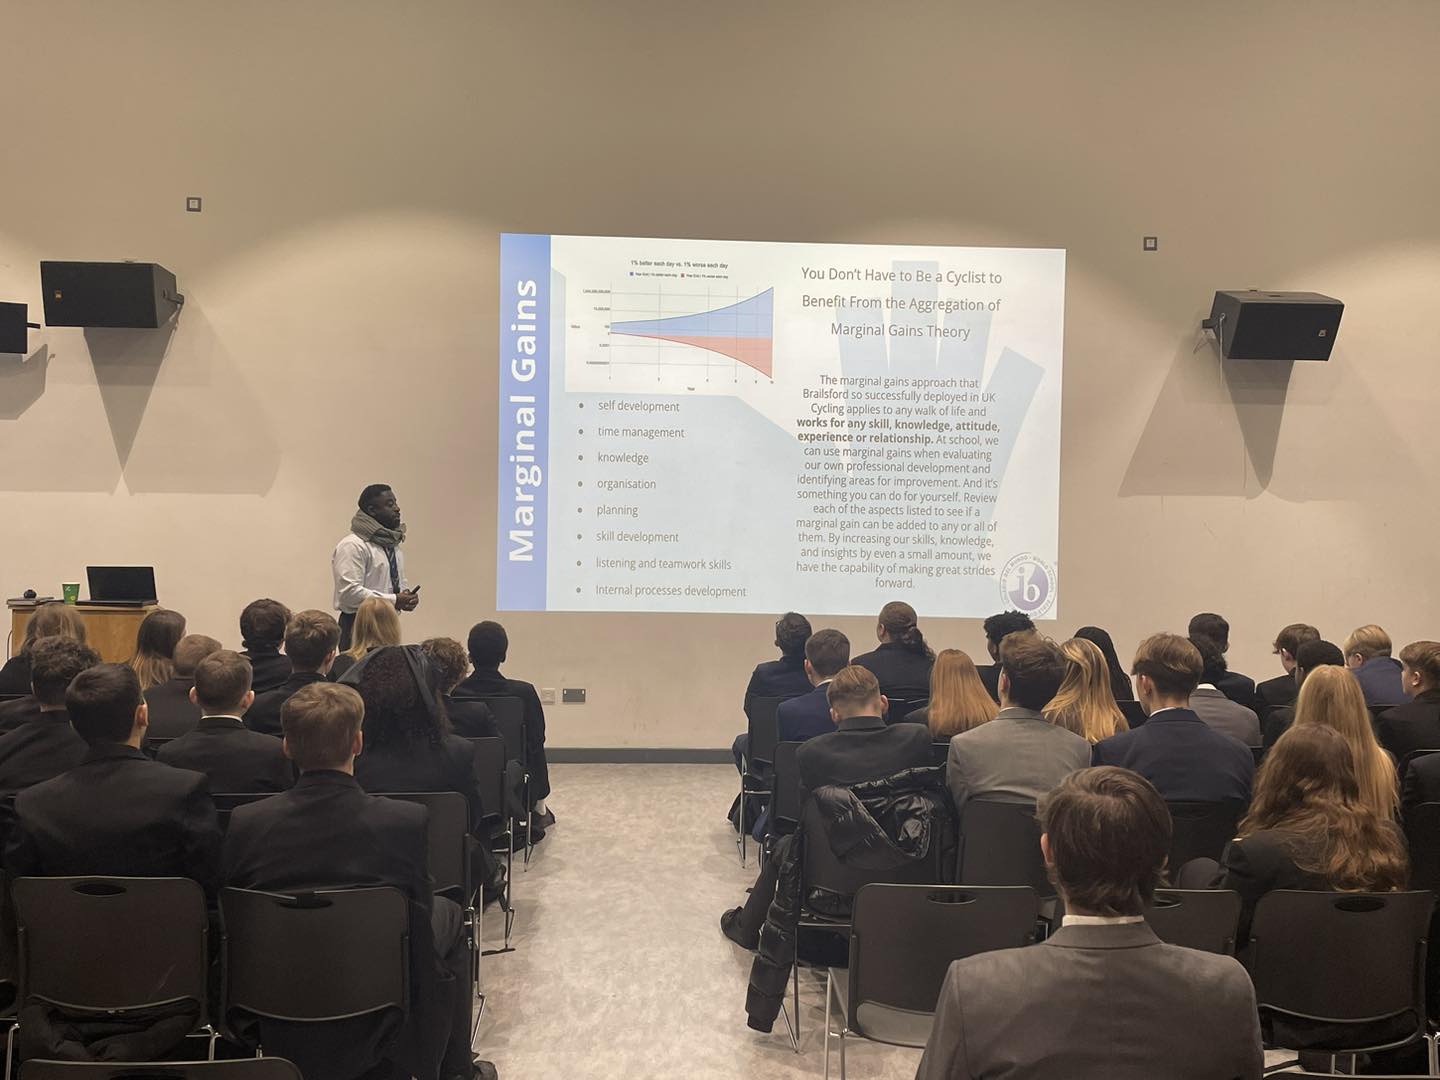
<point>1255,325</point>
<point>140,296</point>
<point>13,327</point>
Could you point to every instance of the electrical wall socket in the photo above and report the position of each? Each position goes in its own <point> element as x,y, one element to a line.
<point>572,696</point>
<point>547,695</point>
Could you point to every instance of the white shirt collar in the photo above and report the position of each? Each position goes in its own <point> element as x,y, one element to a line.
<point>1207,686</point>
<point>1101,920</point>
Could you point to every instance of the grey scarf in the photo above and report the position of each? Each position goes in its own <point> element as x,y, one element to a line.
<point>367,528</point>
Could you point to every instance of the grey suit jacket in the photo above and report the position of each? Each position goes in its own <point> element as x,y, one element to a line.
<point>1016,757</point>
<point>1095,1003</point>
<point>1225,716</point>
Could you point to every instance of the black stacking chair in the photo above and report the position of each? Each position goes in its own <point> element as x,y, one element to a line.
<point>111,946</point>
<point>1202,829</point>
<point>264,1068</point>
<point>510,720</point>
<point>785,799</point>
<point>313,959</point>
<point>903,939</point>
<point>1363,991</point>
<point>759,760</point>
<point>490,767</point>
<point>1000,845</point>
<point>940,752</point>
<point>226,803</point>
<point>1204,919</point>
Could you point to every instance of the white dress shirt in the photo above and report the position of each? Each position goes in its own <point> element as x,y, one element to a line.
<point>362,569</point>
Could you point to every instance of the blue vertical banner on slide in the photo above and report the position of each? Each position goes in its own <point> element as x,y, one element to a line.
<point>524,422</point>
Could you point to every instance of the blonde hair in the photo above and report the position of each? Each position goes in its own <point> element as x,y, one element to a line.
<point>1331,697</point>
<point>958,699</point>
<point>376,624</point>
<point>1369,642</point>
<point>1085,703</point>
<point>53,620</point>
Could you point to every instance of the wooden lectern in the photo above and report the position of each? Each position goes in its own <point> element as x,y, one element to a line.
<point>110,631</point>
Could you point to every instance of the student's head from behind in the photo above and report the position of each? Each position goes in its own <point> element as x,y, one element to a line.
<point>311,638</point>
<point>958,699</point>
<point>1420,667</point>
<point>792,630</point>
<point>997,627</point>
<point>1106,836</point>
<point>826,653</point>
<point>321,726</point>
<point>1366,643</point>
<point>379,502</point>
<point>53,620</point>
<point>1331,696</point>
<point>1289,640</point>
<point>1212,658</point>
<point>105,704</point>
<point>488,645</point>
<point>377,624</point>
<point>1215,627</point>
<point>854,691</point>
<point>190,650</point>
<point>54,663</point>
<point>159,633</point>
<point>262,624</point>
<point>222,684</point>
<point>399,710</point>
<point>447,660</point>
<point>1316,654</point>
<point>1308,766</point>
<point>1167,669</point>
<point>1032,667</point>
<point>898,624</point>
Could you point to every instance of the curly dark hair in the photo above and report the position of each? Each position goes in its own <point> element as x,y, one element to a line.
<point>448,660</point>
<point>395,711</point>
<point>1007,622</point>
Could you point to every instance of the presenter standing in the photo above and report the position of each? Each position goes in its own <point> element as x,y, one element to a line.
<point>368,561</point>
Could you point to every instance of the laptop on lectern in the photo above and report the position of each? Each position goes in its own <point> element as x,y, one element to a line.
<point>121,586</point>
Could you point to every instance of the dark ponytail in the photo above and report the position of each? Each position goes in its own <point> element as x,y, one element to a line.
<point>898,619</point>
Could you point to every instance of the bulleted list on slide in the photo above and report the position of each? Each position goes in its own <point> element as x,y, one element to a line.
<point>729,426</point>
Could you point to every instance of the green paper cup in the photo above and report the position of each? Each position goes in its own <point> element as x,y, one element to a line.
<point>71,589</point>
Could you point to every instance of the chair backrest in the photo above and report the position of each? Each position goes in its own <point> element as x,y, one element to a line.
<point>762,726</point>
<point>903,939</point>
<point>1133,712</point>
<point>823,870</point>
<point>490,769</point>
<point>1202,829</point>
<point>900,708</point>
<point>1258,753</point>
<point>1000,845</point>
<point>1340,956</point>
<point>262,1068</point>
<point>447,838</point>
<point>509,715</point>
<point>1422,832</point>
<point>226,803</point>
<point>785,803</point>
<point>100,943</point>
<point>940,752</point>
<point>1204,919</point>
<point>327,955</point>
<point>1412,757</point>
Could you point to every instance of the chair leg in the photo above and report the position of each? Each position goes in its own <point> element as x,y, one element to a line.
<point>1432,1047</point>
<point>795,982</point>
<point>10,1048</point>
<point>509,890</point>
<point>529,817</point>
<point>829,997</point>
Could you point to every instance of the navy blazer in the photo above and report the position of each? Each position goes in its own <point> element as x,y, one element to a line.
<point>1185,758</point>
<point>805,716</point>
<point>783,678</point>
<point>1379,679</point>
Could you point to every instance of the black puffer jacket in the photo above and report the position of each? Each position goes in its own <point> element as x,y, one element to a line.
<point>880,827</point>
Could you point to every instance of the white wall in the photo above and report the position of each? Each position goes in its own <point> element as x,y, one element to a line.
<point>359,159</point>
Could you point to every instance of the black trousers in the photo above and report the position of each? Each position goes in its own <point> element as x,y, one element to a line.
<point>447,923</point>
<point>347,623</point>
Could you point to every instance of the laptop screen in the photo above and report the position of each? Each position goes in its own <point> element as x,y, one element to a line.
<point>121,583</point>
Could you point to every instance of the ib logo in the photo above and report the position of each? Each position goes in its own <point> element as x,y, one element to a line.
<point>1028,583</point>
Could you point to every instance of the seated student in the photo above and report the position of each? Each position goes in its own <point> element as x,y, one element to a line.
<point>1309,656</point>
<point>1238,688</point>
<point>862,747</point>
<point>47,745</point>
<point>958,699</point>
<point>48,620</point>
<point>376,625</point>
<point>262,632</point>
<point>1175,750</point>
<point>783,678</point>
<point>996,629</point>
<point>488,646</point>
<point>1367,654</point>
<point>155,641</point>
<point>172,713</point>
<point>800,718</point>
<point>471,719</point>
<point>1099,998</point>
<point>326,833</point>
<point>1019,755</point>
<point>1415,726</point>
<point>1207,702</point>
<point>1273,693</point>
<point>1085,702</point>
<point>311,638</point>
<point>233,757</point>
<point>117,813</point>
<point>1332,698</point>
<point>1309,828</point>
<point>902,661</point>
<point>1119,680</point>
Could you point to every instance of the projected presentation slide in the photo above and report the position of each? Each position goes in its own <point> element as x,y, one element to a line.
<point>726,426</point>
